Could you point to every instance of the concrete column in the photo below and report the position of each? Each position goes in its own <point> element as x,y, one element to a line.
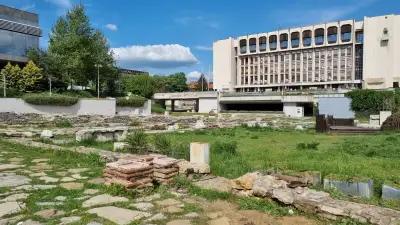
<point>172,105</point>
<point>200,153</point>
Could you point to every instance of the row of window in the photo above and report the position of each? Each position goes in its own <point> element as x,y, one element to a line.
<point>16,44</point>
<point>306,36</point>
<point>317,66</point>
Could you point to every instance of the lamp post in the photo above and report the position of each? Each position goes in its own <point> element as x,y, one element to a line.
<point>98,78</point>
<point>4,86</point>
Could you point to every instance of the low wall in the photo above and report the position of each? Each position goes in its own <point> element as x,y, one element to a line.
<point>103,107</point>
<point>145,110</point>
<point>207,105</point>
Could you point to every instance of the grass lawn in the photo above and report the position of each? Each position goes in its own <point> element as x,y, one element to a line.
<point>347,156</point>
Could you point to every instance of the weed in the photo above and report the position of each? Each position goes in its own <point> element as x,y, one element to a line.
<point>135,122</point>
<point>63,123</point>
<point>310,146</point>
<point>225,147</point>
<point>162,143</point>
<point>138,142</point>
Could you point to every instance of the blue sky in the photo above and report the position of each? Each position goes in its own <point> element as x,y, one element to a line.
<point>166,36</point>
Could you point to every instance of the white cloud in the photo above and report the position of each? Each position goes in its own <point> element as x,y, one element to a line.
<point>194,75</point>
<point>64,4</point>
<point>154,56</point>
<point>203,48</point>
<point>112,27</point>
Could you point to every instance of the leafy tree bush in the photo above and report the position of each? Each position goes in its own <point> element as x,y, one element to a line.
<point>131,101</point>
<point>46,99</point>
<point>11,93</point>
<point>142,85</point>
<point>75,47</point>
<point>371,101</point>
<point>138,141</point>
<point>22,79</point>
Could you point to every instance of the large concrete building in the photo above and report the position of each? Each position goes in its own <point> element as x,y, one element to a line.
<point>343,54</point>
<point>19,31</point>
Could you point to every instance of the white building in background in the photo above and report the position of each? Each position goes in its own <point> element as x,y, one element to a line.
<point>342,54</point>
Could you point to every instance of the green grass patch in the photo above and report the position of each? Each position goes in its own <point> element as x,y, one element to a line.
<point>372,156</point>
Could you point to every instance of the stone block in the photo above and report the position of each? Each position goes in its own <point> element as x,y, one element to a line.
<point>47,134</point>
<point>390,193</point>
<point>352,188</point>
<point>374,120</point>
<point>383,115</point>
<point>118,146</point>
<point>200,153</point>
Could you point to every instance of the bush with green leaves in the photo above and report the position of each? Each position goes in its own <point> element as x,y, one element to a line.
<point>225,147</point>
<point>138,142</point>
<point>10,92</point>
<point>372,101</point>
<point>47,99</point>
<point>131,101</point>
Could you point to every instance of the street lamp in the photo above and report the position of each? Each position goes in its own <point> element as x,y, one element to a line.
<point>4,85</point>
<point>98,78</point>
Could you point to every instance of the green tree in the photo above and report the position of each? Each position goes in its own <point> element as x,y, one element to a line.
<point>12,75</point>
<point>30,76</point>
<point>75,48</point>
<point>202,83</point>
<point>177,82</point>
<point>142,85</point>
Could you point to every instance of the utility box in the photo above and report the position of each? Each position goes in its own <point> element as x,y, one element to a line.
<point>199,153</point>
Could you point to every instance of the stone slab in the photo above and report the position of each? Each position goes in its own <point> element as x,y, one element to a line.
<point>117,215</point>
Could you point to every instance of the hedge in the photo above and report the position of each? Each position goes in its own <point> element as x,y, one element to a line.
<point>132,101</point>
<point>10,93</point>
<point>371,101</point>
<point>46,99</point>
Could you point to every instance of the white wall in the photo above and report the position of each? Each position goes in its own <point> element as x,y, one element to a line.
<point>224,66</point>
<point>381,63</point>
<point>104,107</point>
<point>144,111</point>
<point>208,104</point>
<point>292,110</point>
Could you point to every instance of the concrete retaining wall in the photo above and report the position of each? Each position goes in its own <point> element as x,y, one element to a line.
<point>104,107</point>
<point>143,111</point>
<point>208,104</point>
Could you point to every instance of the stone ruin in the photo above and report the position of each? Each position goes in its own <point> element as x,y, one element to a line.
<point>141,171</point>
<point>294,191</point>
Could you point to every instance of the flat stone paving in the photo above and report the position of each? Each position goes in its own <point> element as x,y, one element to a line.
<point>34,191</point>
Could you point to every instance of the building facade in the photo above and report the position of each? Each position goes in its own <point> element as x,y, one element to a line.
<point>343,54</point>
<point>19,31</point>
